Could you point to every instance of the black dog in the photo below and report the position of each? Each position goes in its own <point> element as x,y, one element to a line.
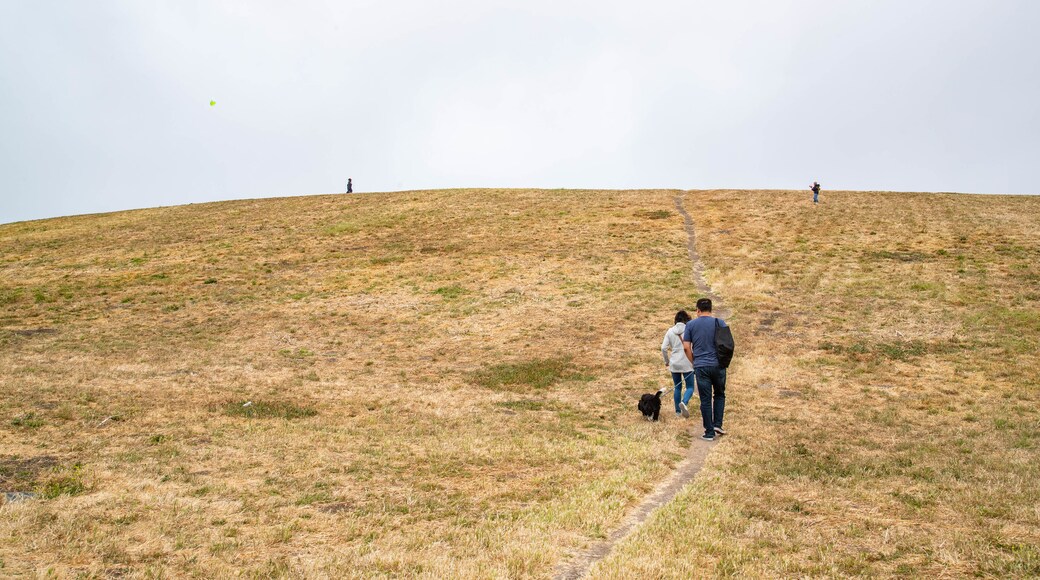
<point>650,405</point>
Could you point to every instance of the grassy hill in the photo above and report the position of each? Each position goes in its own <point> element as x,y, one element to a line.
<point>443,383</point>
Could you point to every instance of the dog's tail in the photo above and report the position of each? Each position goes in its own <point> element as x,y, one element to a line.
<point>660,392</point>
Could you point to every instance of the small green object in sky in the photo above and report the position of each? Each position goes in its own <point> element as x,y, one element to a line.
<point>211,103</point>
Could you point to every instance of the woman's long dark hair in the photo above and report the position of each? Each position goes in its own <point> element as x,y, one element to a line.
<point>682,317</point>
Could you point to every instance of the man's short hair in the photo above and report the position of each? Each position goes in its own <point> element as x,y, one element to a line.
<point>704,305</point>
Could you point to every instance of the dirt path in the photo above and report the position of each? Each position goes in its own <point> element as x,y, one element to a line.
<point>703,289</point>
<point>687,469</point>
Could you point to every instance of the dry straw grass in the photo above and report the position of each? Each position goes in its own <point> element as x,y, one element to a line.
<point>884,413</point>
<point>439,383</point>
<point>442,384</point>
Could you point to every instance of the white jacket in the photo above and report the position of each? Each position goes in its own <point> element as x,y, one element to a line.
<point>677,363</point>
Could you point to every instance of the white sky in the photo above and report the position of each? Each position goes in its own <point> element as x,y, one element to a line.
<point>104,105</point>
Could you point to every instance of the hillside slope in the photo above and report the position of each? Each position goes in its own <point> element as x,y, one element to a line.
<point>443,384</point>
<point>889,392</point>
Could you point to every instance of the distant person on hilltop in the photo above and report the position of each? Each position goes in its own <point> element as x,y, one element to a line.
<point>710,372</point>
<point>675,359</point>
<point>815,192</point>
<point>350,185</point>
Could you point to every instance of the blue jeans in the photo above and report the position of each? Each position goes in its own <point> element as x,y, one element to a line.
<point>711,380</point>
<point>677,379</point>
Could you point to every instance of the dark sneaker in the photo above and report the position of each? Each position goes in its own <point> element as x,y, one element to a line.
<point>720,430</point>
<point>684,410</point>
<point>708,436</point>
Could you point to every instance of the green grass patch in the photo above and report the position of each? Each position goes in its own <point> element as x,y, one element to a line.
<point>526,375</point>
<point>656,215</point>
<point>313,498</point>
<point>28,420</point>
<point>913,501</point>
<point>341,228</point>
<point>1008,321</point>
<point>69,482</point>
<point>901,350</point>
<point>523,405</point>
<point>451,292</point>
<point>445,249</point>
<point>223,546</point>
<point>863,350</point>
<point>9,295</point>
<point>300,353</point>
<point>926,286</point>
<point>40,296</point>
<point>267,410</point>
<point>899,256</point>
<point>1020,560</point>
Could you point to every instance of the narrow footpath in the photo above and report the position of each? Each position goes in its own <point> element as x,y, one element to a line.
<point>578,567</point>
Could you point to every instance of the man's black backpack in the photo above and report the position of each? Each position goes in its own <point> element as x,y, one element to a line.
<point>723,344</point>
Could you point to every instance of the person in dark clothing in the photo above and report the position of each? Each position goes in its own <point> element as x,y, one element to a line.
<point>350,185</point>
<point>699,344</point>
<point>815,192</point>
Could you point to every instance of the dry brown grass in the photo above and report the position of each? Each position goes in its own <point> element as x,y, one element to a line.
<point>441,383</point>
<point>883,410</point>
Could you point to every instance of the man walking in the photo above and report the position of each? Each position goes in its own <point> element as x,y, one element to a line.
<point>815,192</point>
<point>699,344</point>
<point>350,185</point>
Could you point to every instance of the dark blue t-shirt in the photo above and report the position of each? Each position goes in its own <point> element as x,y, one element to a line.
<point>700,333</point>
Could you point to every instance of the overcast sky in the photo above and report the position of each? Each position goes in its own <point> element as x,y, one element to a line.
<point>105,105</point>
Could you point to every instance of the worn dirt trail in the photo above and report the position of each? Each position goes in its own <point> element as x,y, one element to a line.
<point>687,469</point>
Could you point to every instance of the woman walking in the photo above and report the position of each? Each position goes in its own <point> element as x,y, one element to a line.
<point>676,361</point>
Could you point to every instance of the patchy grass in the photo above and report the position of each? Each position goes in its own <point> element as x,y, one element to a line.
<point>864,350</point>
<point>28,420</point>
<point>526,375</point>
<point>341,228</point>
<point>24,474</point>
<point>44,475</point>
<point>9,295</point>
<point>452,292</point>
<point>267,410</point>
<point>524,405</point>
<point>899,256</point>
<point>67,482</point>
<point>657,214</point>
<point>384,260</point>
